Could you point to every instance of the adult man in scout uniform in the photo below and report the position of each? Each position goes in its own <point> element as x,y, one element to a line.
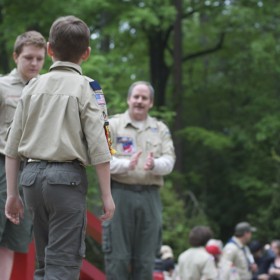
<point>59,128</point>
<point>145,153</point>
<point>238,253</point>
<point>29,54</point>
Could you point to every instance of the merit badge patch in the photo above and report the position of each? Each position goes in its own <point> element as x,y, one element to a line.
<point>126,144</point>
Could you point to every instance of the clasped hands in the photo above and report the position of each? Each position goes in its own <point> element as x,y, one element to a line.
<point>149,163</point>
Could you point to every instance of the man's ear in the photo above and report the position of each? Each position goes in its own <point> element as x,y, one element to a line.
<point>15,57</point>
<point>49,50</point>
<point>86,54</point>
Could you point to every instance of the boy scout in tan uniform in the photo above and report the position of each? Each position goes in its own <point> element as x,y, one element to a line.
<point>59,128</point>
<point>196,263</point>
<point>29,54</point>
<point>145,153</point>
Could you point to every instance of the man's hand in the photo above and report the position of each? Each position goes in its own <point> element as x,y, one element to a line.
<point>14,209</point>
<point>134,160</point>
<point>150,163</point>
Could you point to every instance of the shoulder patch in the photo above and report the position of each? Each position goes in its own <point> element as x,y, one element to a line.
<point>95,85</point>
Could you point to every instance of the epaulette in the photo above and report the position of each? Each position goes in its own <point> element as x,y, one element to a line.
<point>95,85</point>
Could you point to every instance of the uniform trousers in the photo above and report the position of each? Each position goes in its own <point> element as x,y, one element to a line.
<point>14,237</point>
<point>55,194</point>
<point>132,239</point>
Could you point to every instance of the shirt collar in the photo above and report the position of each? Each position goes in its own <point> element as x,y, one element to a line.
<point>67,65</point>
<point>149,122</point>
<point>17,79</point>
<point>238,242</point>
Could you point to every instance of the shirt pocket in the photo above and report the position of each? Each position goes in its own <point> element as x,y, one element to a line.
<point>64,178</point>
<point>154,146</point>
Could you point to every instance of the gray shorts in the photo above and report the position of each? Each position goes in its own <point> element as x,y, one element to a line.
<point>13,237</point>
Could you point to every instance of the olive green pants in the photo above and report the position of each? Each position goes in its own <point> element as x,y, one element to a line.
<point>131,240</point>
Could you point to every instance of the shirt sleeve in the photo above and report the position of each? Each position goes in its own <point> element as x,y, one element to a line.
<point>119,166</point>
<point>15,133</point>
<point>165,163</point>
<point>93,127</point>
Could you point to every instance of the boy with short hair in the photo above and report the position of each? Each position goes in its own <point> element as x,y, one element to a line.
<point>59,128</point>
<point>29,55</point>
<point>196,262</point>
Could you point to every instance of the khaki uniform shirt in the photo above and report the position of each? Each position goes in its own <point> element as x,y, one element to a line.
<point>10,91</point>
<point>59,118</point>
<point>197,264</point>
<point>235,254</point>
<point>127,138</point>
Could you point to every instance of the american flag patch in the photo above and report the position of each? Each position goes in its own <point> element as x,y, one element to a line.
<point>100,99</point>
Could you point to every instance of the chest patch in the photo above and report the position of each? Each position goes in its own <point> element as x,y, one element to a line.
<point>126,145</point>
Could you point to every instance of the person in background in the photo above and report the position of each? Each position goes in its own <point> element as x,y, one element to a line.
<point>59,129</point>
<point>257,250</point>
<point>274,270</point>
<point>145,153</point>
<point>226,270</point>
<point>196,263</point>
<point>168,263</point>
<point>29,55</point>
<point>237,251</point>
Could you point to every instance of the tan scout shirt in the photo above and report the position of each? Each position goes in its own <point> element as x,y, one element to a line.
<point>10,91</point>
<point>196,264</point>
<point>236,255</point>
<point>59,118</point>
<point>128,139</point>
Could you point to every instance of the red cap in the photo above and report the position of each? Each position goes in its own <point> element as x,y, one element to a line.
<point>213,250</point>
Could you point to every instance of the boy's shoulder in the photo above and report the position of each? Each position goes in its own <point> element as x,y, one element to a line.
<point>93,84</point>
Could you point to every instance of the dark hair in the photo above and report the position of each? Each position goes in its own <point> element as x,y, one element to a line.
<point>69,38</point>
<point>152,91</point>
<point>29,38</point>
<point>199,236</point>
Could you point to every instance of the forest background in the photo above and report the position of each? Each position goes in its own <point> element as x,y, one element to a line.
<point>215,68</point>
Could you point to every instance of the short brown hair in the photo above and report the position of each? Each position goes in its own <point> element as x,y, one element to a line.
<point>69,38</point>
<point>29,38</point>
<point>199,236</point>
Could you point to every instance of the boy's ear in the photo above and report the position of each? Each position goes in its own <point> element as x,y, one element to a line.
<point>86,54</point>
<point>49,50</point>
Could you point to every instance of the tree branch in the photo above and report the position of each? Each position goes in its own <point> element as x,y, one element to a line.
<point>207,51</point>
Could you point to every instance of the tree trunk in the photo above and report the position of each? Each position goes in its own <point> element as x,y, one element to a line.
<point>178,86</point>
<point>158,68</point>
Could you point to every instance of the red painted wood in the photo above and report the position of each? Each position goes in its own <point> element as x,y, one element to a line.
<point>94,228</point>
<point>24,265</point>
<point>90,272</point>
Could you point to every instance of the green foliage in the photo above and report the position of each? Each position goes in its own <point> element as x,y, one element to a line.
<point>210,139</point>
<point>230,98</point>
